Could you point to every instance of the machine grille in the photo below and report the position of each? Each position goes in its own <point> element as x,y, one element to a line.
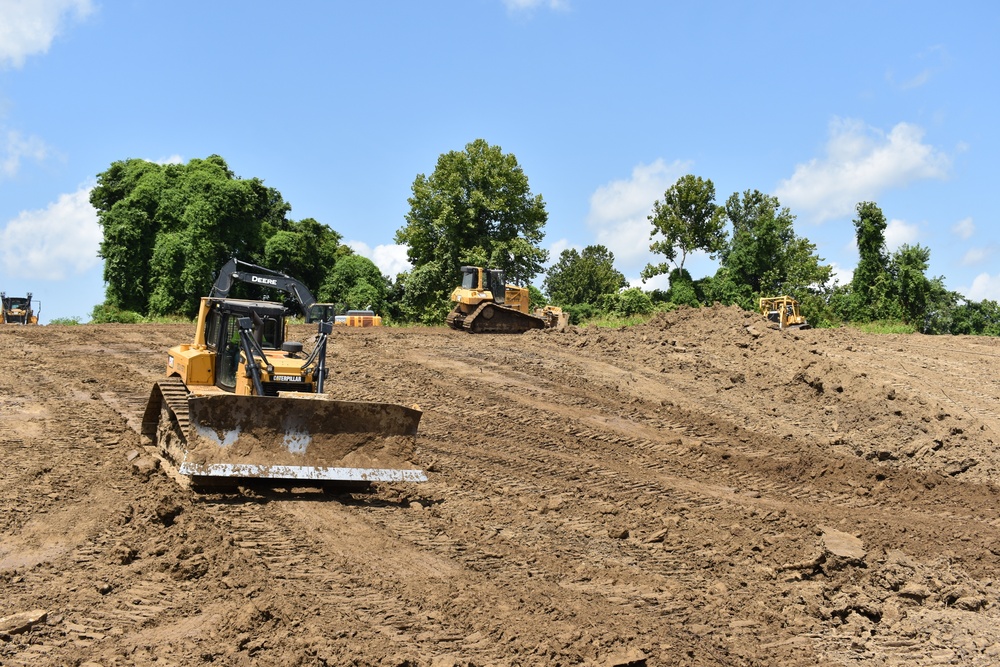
<point>272,388</point>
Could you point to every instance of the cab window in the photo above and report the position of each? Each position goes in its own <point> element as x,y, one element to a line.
<point>269,333</point>
<point>229,355</point>
<point>469,280</point>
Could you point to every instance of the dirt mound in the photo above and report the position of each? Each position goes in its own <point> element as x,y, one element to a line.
<point>700,490</point>
<point>855,394</point>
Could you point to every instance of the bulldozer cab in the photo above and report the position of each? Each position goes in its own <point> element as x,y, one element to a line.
<point>497,285</point>
<point>472,278</point>
<point>222,334</point>
<point>484,280</point>
<point>17,303</point>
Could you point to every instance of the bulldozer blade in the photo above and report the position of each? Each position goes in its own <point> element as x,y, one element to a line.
<point>299,437</point>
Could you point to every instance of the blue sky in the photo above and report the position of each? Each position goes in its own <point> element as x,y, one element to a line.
<point>340,105</point>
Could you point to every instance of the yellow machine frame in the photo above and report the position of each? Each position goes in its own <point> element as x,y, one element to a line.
<point>783,310</point>
<point>196,364</point>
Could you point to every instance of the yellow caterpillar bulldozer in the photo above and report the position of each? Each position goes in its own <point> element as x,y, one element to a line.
<point>319,312</point>
<point>359,318</point>
<point>242,404</point>
<point>484,303</point>
<point>784,311</point>
<point>17,309</point>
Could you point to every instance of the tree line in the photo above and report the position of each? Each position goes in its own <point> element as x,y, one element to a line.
<point>168,228</point>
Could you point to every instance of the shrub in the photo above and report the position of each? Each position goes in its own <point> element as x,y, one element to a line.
<point>627,303</point>
<point>105,314</point>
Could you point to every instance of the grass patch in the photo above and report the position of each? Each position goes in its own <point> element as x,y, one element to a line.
<point>167,319</point>
<point>884,327</point>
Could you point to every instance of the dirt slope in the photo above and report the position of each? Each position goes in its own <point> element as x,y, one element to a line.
<point>701,490</point>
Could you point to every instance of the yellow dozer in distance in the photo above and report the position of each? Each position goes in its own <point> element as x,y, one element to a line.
<point>783,311</point>
<point>484,303</point>
<point>320,312</point>
<point>17,309</point>
<point>358,318</point>
<point>242,404</point>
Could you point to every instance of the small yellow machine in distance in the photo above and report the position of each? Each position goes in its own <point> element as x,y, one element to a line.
<point>784,311</point>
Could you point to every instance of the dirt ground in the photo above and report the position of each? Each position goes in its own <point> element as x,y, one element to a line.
<point>700,490</point>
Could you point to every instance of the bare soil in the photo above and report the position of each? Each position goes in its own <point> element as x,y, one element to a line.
<point>700,490</point>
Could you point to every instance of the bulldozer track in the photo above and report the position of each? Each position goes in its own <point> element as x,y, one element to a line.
<point>175,396</point>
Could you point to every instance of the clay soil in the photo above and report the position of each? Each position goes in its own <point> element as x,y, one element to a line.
<point>699,490</point>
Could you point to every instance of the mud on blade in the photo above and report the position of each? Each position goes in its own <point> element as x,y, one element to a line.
<point>299,438</point>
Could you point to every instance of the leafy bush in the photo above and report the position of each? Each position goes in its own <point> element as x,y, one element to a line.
<point>65,321</point>
<point>105,314</point>
<point>627,303</point>
<point>683,292</point>
<point>579,312</point>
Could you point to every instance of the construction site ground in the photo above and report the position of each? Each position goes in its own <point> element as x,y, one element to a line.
<point>698,490</point>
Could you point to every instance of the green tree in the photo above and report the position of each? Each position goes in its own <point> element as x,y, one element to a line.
<point>583,277</point>
<point>356,283</point>
<point>168,228</point>
<point>127,203</point>
<point>764,256</point>
<point>912,289</point>
<point>870,285</point>
<point>475,205</point>
<point>305,249</point>
<point>535,298</point>
<point>425,294</point>
<point>687,220</point>
<point>976,318</point>
<point>942,314</point>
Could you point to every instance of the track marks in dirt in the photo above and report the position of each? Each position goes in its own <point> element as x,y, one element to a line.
<point>535,436</point>
<point>592,494</point>
<point>393,603</point>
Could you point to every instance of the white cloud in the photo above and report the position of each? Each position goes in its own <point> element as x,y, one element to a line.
<point>528,5</point>
<point>28,27</point>
<point>841,276</point>
<point>977,255</point>
<point>619,210</point>
<point>932,61</point>
<point>984,286</point>
<point>861,162</point>
<point>898,232</point>
<point>173,159</point>
<point>556,248</point>
<point>390,259</point>
<point>53,242</point>
<point>964,228</point>
<point>661,282</point>
<point>15,148</point>
<point>916,81</point>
